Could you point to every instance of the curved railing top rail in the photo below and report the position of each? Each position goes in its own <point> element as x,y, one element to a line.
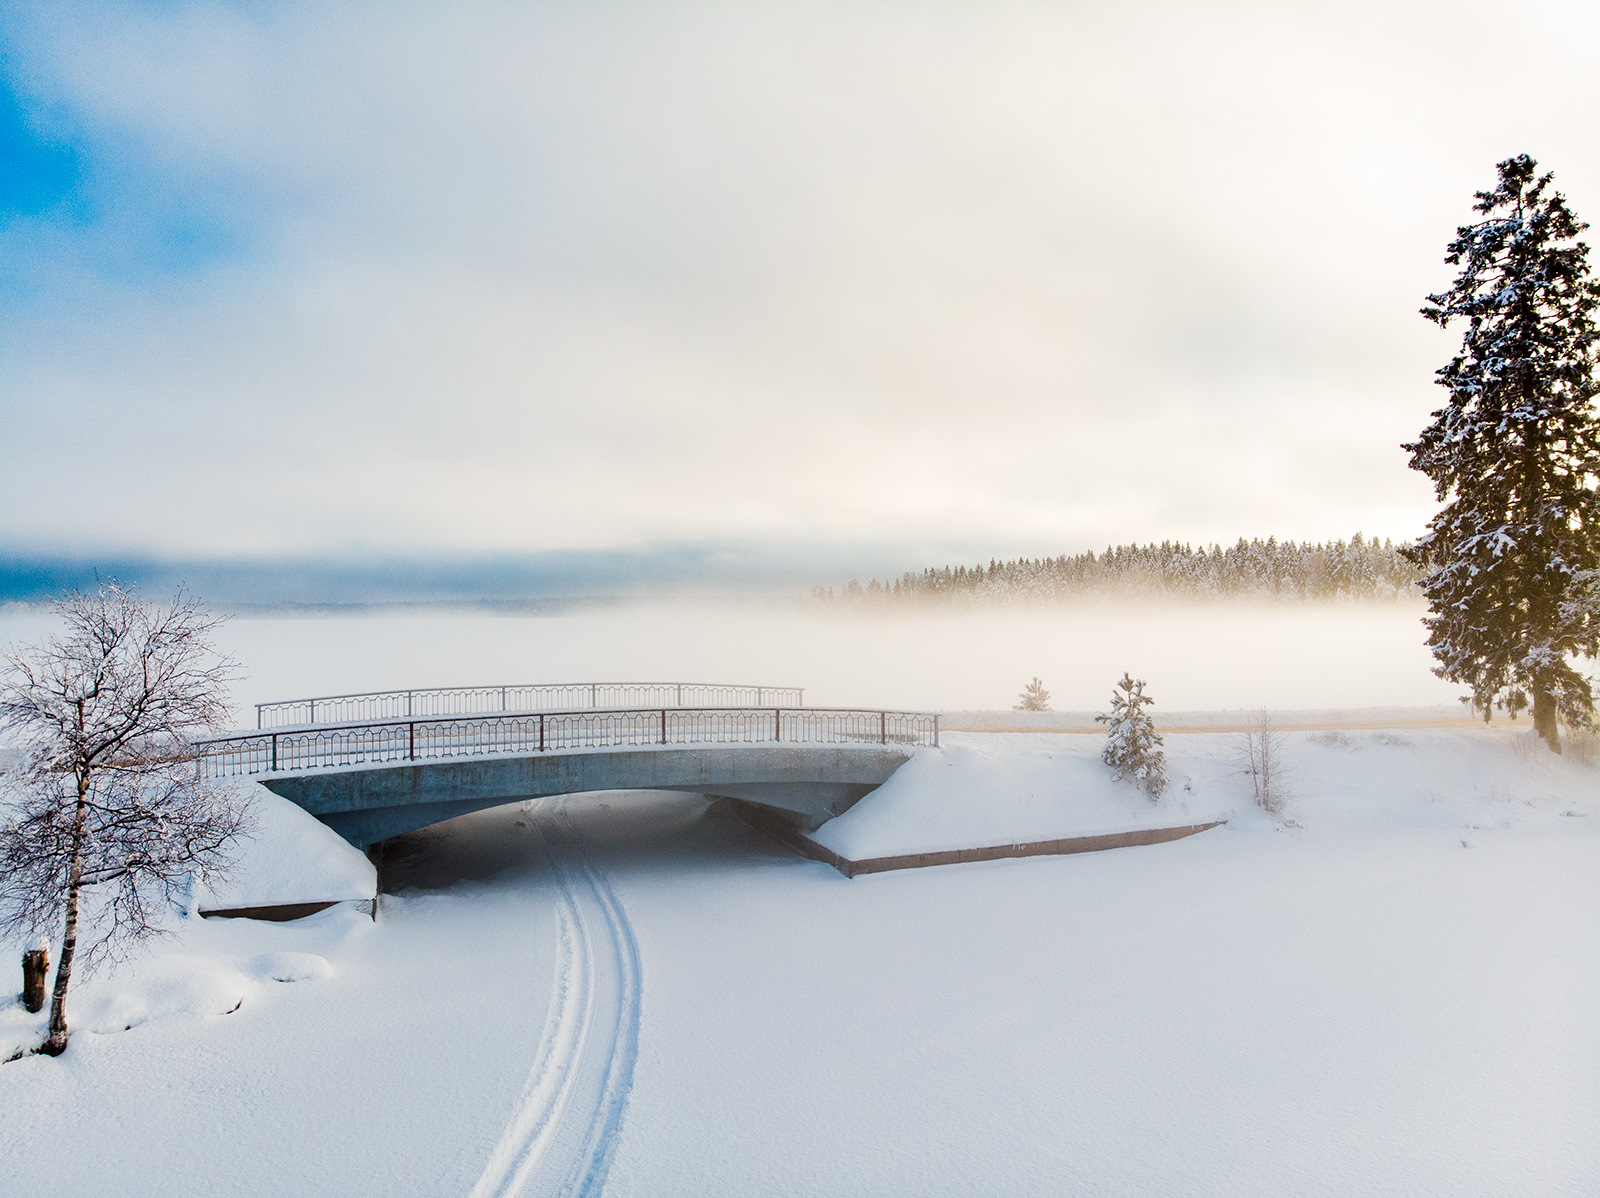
<point>528,696</point>
<point>376,742</point>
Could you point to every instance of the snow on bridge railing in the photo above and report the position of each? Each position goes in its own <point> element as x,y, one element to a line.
<point>381,742</point>
<point>544,696</point>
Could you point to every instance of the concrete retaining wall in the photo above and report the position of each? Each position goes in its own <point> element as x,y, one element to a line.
<point>792,837</point>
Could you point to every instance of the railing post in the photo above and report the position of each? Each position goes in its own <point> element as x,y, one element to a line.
<point>541,732</point>
<point>274,752</point>
<point>777,723</point>
<point>593,692</point>
<point>883,727</point>
<point>936,729</point>
<point>258,717</point>
<point>313,717</point>
<point>663,725</point>
<point>502,698</point>
<point>680,694</point>
<point>411,740</point>
<point>408,704</point>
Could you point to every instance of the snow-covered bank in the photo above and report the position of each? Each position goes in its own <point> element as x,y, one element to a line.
<point>289,857</point>
<point>980,789</point>
<point>388,1068</point>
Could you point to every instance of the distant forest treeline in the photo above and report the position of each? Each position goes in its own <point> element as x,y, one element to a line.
<point>1358,569</point>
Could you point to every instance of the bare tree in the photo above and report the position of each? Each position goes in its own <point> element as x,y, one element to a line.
<point>1262,754</point>
<point>106,815</point>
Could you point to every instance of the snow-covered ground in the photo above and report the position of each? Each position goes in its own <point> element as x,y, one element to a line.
<point>386,1070</point>
<point>1392,990</point>
<point>287,856</point>
<point>987,789</point>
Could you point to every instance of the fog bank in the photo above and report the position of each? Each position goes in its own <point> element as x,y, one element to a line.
<point>1195,657</point>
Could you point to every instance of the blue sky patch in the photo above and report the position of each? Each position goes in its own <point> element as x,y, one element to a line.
<point>81,200</point>
<point>37,172</point>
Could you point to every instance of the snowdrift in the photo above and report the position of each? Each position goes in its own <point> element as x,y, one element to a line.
<point>290,857</point>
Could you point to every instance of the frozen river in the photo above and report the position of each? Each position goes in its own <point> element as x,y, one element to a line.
<point>1195,658</point>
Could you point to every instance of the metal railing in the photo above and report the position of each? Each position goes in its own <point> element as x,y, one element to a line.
<point>484,700</point>
<point>380,742</point>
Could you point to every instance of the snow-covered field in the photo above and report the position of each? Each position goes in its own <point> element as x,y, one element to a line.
<point>1391,990</point>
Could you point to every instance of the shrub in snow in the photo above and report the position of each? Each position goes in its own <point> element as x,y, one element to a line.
<point>1583,747</point>
<point>1033,697</point>
<point>1511,558</point>
<point>1133,747</point>
<point>1262,752</point>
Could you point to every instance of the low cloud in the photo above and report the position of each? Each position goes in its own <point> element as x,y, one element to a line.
<point>360,278</point>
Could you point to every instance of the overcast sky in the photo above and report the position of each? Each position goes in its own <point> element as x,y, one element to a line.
<point>302,279</point>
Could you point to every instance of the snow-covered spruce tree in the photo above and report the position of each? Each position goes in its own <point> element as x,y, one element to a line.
<point>1133,746</point>
<point>1514,455</point>
<point>1033,697</point>
<point>107,813</point>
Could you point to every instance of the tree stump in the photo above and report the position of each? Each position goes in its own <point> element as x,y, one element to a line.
<point>35,964</point>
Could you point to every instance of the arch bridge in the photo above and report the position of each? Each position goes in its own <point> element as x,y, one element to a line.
<point>377,764</point>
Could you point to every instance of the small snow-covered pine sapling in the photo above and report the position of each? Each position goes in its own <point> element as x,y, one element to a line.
<point>107,817</point>
<point>1510,560</point>
<point>1033,697</point>
<point>1133,746</point>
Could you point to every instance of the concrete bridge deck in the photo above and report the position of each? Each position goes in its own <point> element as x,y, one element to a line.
<point>373,779</point>
<point>805,785</point>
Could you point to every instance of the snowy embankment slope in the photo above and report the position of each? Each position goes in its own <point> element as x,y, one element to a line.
<point>980,789</point>
<point>288,857</point>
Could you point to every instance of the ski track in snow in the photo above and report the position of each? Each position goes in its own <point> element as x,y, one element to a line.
<point>562,1133</point>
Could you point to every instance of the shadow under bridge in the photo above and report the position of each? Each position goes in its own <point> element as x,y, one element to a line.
<point>370,780</point>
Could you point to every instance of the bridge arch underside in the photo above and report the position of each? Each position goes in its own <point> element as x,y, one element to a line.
<point>805,784</point>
